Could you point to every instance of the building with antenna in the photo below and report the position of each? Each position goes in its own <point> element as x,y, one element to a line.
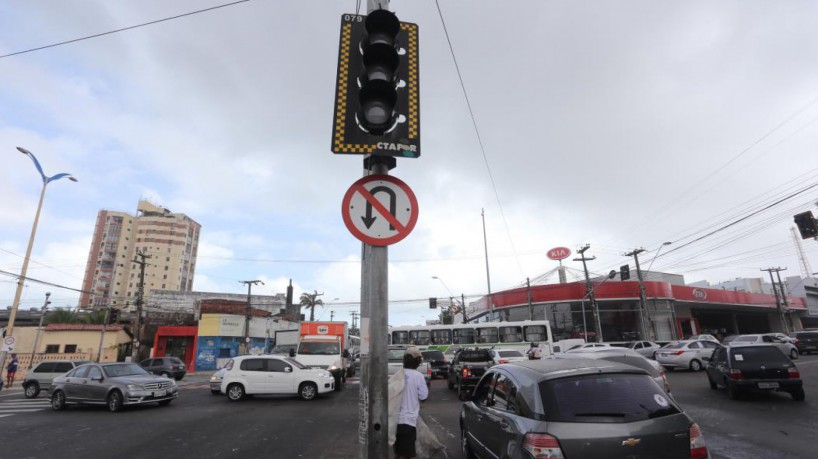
<point>112,278</point>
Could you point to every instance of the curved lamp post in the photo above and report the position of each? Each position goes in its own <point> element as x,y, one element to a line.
<point>21,281</point>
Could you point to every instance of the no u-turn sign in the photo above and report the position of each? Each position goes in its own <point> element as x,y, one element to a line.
<point>380,210</point>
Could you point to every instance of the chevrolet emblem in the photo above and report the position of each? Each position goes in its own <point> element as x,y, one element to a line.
<point>631,442</point>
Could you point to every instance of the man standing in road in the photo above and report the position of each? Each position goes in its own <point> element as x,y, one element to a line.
<point>11,370</point>
<point>414,392</point>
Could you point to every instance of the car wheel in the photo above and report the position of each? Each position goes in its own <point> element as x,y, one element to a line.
<point>338,384</point>
<point>165,402</point>
<point>178,378</point>
<point>449,383</point>
<point>793,354</point>
<point>215,392</point>
<point>733,392</point>
<point>713,385</point>
<point>58,401</point>
<point>32,390</point>
<point>798,394</point>
<point>115,401</point>
<point>307,391</point>
<point>235,392</point>
<point>465,449</point>
<point>695,365</point>
<point>165,374</point>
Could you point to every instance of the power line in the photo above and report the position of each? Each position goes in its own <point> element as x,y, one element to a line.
<point>53,45</point>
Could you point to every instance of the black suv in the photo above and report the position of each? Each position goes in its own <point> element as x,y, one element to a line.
<point>437,361</point>
<point>467,367</point>
<point>761,367</point>
<point>171,367</point>
<point>805,341</point>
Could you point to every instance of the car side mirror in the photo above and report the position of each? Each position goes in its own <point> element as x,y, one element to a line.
<point>97,378</point>
<point>464,396</point>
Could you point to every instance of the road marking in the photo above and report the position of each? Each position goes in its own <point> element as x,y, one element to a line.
<point>11,407</point>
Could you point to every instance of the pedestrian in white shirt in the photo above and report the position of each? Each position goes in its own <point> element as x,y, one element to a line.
<point>414,392</point>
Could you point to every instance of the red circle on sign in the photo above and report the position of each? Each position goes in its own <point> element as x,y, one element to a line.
<point>358,190</point>
<point>559,253</point>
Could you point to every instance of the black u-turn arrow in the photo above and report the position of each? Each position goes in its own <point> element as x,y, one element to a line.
<point>369,219</point>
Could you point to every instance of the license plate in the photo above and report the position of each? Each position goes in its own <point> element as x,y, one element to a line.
<point>768,385</point>
<point>809,347</point>
<point>663,355</point>
<point>160,393</point>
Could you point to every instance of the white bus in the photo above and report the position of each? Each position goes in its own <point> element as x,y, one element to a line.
<point>449,338</point>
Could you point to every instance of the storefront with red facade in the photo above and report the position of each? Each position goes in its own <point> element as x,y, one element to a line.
<point>176,341</point>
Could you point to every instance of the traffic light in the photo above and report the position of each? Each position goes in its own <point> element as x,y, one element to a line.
<point>807,225</point>
<point>113,316</point>
<point>377,109</point>
<point>432,303</point>
<point>624,272</point>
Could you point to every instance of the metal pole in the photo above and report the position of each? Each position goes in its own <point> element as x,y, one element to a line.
<point>373,435</point>
<point>488,276</point>
<point>777,300</point>
<point>530,310</point>
<point>463,302</point>
<point>39,329</point>
<point>589,286</point>
<point>102,335</point>
<point>139,297</point>
<point>784,307</point>
<point>244,348</point>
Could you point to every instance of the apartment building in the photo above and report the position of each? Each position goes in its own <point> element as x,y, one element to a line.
<point>112,275</point>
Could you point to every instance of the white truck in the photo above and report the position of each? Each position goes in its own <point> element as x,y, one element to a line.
<point>324,345</point>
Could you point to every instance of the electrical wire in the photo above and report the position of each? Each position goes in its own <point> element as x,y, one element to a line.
<point>88,37</point>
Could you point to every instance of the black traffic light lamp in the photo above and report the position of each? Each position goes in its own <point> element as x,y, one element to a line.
<point>807,225</point>
<point>377,98</point>
<point>113,316</point>
<point>624,272</point>
<point>432,303</point>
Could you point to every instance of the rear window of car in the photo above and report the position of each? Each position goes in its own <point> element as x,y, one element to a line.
<point>605,398</point>
<point>757,354</point>
<point>674,346</point>
<point>432,355</point>
<point>805,335</point>
<point>509,353</point>
<point>474,356</point>
<point>45,367</point>
<point>175,361</point>
<point>745,339</point>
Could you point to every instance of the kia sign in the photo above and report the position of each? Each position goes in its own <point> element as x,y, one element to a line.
<point>559,253</point>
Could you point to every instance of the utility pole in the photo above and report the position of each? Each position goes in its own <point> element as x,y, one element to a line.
<point>102,335</point>
<point>463,302</point>
<point>39,329</point>
<point>778,306</point>
<point>248,314</point>
<point>139,298</point>
<point>590,294</point>
<point>488,277</point>
<point>784,307</point>
<point>530,309</point>
<point>642,301</point>
<point>354,315</point>
<point>332,316</point>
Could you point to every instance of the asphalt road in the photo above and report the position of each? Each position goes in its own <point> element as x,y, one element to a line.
<point>202,425</point>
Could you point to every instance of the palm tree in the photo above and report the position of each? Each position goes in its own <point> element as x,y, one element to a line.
<point>62,316</point>
<point>96,316</point>
<point>310,300</point>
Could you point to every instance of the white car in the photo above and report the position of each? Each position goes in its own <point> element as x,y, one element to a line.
<point>787,348</point>
<point>507,355</point>
<point>689,354</point>
<point>704,337</point>
<point>645,348</point>
<point>588,346</point>
<point>273,374</point>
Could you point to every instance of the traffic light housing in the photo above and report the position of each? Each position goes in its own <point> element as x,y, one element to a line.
<point>377,106</point>
<point>432,303</point>
<point>807,225</point>
<point>624,272</point>
<point>113,316</point>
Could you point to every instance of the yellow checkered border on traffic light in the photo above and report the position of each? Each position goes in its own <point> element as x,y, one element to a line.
<point>412,84</point>
<point>341,93</point>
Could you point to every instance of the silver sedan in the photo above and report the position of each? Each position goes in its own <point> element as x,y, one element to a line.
<point>685,354</point>
<point>111,384</point>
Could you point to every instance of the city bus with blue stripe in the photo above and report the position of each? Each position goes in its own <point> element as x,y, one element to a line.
<point>498,335</point>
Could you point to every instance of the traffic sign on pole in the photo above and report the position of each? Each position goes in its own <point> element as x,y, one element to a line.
<point>380,210</point>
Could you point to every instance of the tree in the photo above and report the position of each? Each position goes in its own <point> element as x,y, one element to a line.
<point>311,300</point>
<point>446,316</point>
<point>62,316</point>
<point>96,316</point>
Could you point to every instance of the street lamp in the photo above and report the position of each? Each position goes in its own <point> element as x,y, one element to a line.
<point>657,254</point>
<point>444,286</point>
<point>21,281</point>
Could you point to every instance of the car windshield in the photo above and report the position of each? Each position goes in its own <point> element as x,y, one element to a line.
<point>396,355</point>
<point>610,398</point>
<point>758,354</point>
<point>745,339</point>
<point>319,348</point>
<point>124,369</point>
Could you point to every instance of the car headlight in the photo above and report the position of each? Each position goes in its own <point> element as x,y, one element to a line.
<point>333,367</point>
<point>134,387</point>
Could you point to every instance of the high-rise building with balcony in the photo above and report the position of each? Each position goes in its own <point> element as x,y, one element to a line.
<point>171,241</point>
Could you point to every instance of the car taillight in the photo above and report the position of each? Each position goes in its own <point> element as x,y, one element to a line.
<point>466,373</point>
<point>665,381</point>
<point>735,373</point>
<point>795,341</point>
<point>793,372</point>
<point>698,449</point>
<point>541,446</point>
<point>679,352</point>
<point>502,361</point>
<point>428,370</point>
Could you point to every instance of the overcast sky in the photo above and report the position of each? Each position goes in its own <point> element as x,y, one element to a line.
<point>616,124</point>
